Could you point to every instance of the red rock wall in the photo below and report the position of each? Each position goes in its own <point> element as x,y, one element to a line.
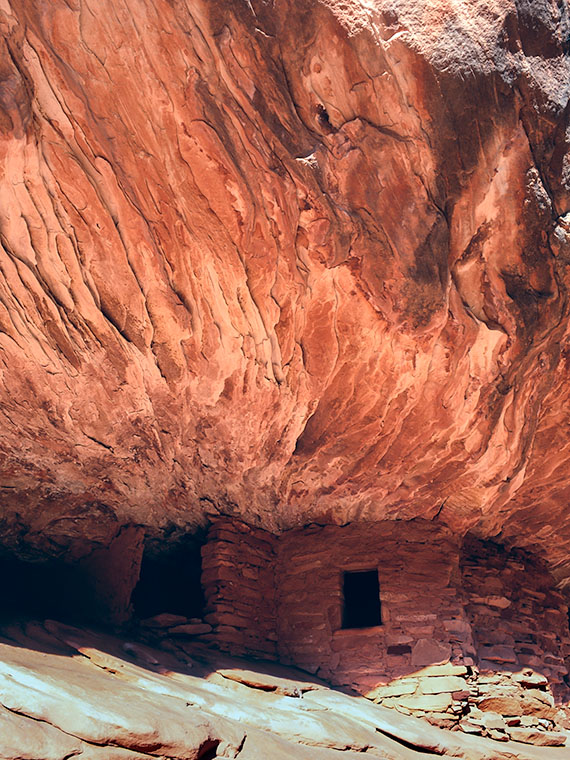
<point>518,618</point>
<point>110,575</point>
<point>307,258</point>
<point>418,568</point>
<point>238,573</point>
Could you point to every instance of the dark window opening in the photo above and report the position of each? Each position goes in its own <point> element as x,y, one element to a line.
<point>171,582</point>
<point>361,599</point>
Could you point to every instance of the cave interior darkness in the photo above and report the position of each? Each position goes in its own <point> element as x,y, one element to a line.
<point>169,581</point>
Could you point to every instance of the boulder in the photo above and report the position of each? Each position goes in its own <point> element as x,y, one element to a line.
<point>441,684</point>
<point>190,629</point>
<point>538,738</point>
<point>430,652</point>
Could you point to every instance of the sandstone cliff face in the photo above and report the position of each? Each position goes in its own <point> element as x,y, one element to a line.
<point>288,260</point>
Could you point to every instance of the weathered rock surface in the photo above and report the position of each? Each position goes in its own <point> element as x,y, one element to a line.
<point>292,260</point>
<point>70,692</point>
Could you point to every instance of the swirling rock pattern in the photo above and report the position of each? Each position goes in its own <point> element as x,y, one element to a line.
<point>293,261</point>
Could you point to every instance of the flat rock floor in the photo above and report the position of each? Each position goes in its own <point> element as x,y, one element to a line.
<point>69,692</point>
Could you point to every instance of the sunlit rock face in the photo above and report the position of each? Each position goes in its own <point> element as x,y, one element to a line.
<point>292,261</point>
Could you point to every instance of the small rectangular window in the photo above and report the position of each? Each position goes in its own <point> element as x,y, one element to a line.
<point>361,599</point>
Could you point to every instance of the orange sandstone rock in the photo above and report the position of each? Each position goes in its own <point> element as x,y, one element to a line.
<point>294,261</point>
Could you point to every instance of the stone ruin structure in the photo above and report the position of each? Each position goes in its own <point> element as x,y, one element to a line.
<point>401,611</point>
<point>296,273</point>
<point>460,631</point>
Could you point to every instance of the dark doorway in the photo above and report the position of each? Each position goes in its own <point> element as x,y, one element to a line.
<point>170,582</point>
<point>361,599</point>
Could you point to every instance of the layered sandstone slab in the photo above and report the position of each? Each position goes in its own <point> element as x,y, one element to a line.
<point>294,260</point>
<point>70,692</point>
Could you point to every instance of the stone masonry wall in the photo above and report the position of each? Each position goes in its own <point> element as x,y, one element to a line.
<point>518,618</point>
<point>423,621</point>
<point>471,635</point>
<point>238,577</point>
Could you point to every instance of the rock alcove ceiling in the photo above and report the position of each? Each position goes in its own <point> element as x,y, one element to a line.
<point>289,261</point>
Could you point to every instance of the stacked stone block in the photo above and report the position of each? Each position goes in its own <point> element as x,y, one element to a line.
<point>238,576</point>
